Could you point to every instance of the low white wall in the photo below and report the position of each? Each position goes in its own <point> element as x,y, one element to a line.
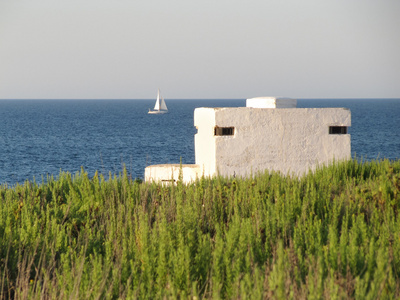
<point>169,173</point>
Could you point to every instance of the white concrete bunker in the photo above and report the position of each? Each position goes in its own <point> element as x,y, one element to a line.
<point>268,134</point>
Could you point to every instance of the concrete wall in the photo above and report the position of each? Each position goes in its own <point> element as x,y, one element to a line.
<point>205,153</point>
<point>292,140</point>
<point>169,173</point>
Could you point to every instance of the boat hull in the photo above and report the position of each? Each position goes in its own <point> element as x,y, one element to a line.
<point>157,112</point>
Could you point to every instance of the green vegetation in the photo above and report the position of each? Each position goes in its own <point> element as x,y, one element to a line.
<point>331,234</point>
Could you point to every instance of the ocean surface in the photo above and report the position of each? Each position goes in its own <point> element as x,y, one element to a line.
<point>43,137</point>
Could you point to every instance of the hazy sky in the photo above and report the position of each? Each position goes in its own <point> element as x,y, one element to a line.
<point>199,49</point>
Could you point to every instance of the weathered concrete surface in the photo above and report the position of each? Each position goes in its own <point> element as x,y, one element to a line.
<point>292,141</point>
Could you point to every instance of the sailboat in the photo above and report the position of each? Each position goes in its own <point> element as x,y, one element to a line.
<point>160,107</point>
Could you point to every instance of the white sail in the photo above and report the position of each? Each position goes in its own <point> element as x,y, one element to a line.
<point>163,106</point>
<point>157,106</point>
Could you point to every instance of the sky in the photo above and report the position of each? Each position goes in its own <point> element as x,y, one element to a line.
<point>126,49</point>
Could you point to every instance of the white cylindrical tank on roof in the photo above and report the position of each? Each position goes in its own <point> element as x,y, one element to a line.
<point>271,102</point>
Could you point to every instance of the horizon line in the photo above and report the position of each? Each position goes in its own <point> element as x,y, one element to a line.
<point>152,99</point>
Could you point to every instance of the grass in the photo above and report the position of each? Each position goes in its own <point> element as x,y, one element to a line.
<point>331,234</point>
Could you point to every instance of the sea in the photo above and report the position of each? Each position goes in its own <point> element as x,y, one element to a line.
<point>41,138</point>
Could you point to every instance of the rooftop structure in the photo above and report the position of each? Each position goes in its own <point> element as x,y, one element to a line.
<point>268,134</point>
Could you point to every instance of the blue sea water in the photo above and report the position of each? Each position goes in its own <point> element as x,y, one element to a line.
<point>41,137</point>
